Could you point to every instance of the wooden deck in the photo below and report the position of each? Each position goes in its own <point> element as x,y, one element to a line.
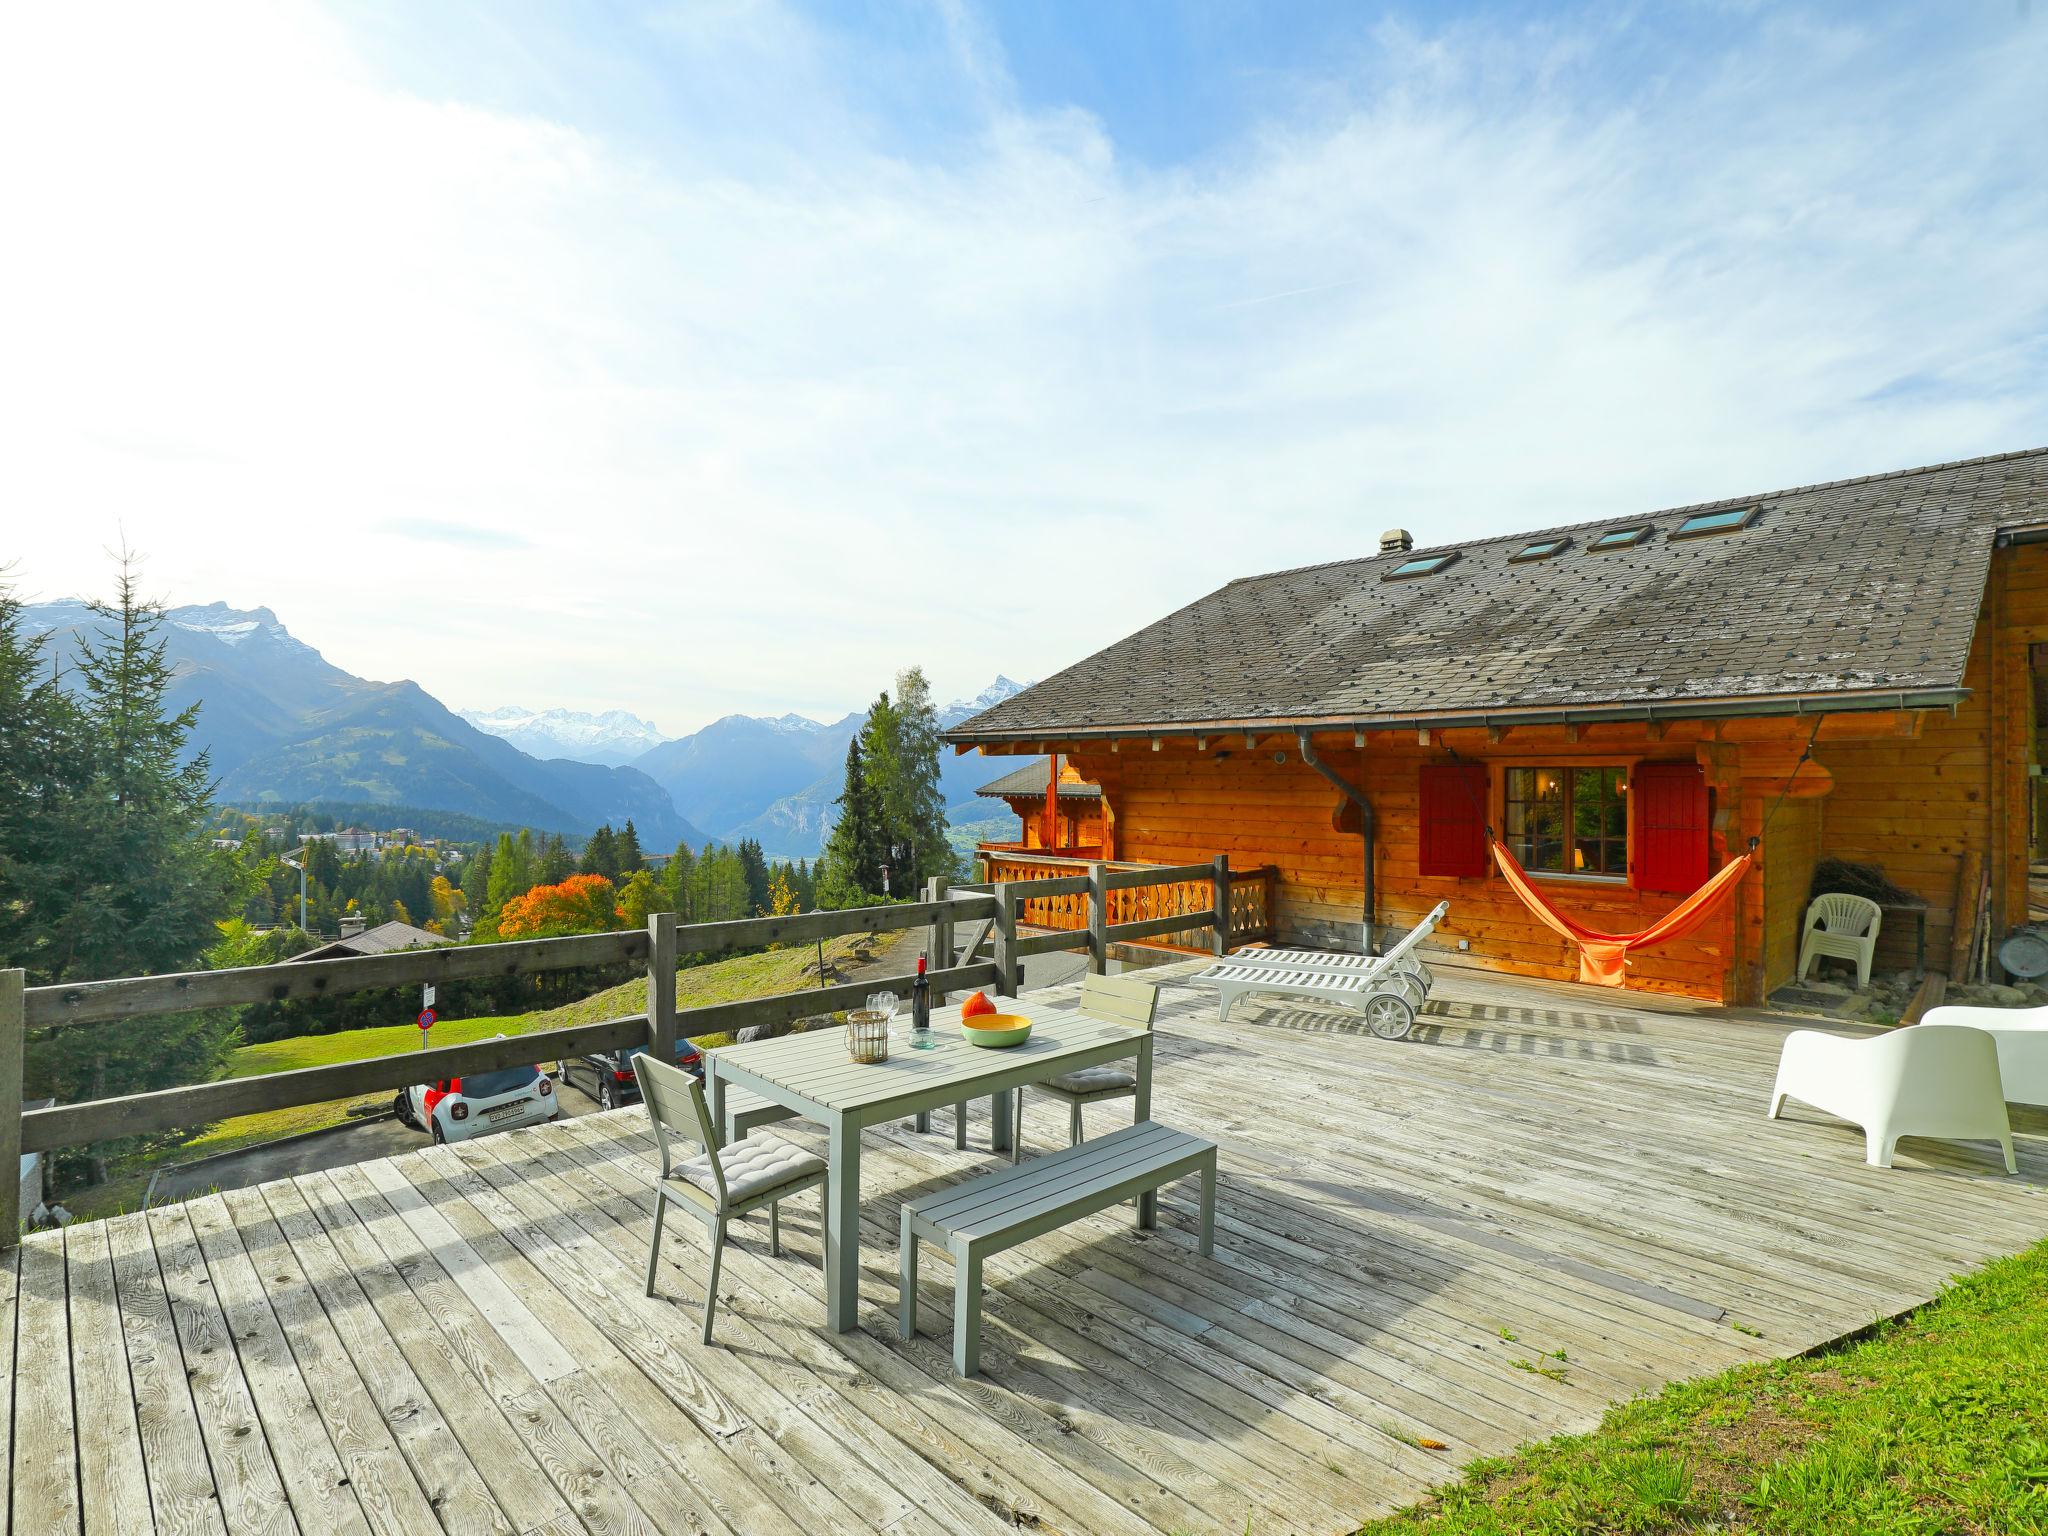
<point>1549,1200</point>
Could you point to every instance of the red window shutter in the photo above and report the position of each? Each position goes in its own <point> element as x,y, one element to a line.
<point>1453,830</point>
<point>1669,811</point>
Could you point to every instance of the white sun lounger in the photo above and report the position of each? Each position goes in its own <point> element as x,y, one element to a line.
<point>1387,989</point>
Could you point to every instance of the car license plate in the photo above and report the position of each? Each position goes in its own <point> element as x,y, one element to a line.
<point>504,1112</point>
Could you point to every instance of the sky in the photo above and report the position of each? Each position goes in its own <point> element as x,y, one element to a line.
<point>731,355</point>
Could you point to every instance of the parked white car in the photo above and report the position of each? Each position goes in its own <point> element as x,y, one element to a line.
<point>457,1108</point>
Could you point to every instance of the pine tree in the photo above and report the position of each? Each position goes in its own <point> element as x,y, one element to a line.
<point>139,889</point>
<point>555,863</point>
<point>44,773</point>
<point>476,881</point>
<point>754,865</point>
<point>601,854</point>
<point>679,884</point>
<point>631,860</point>
<point>854,853</point>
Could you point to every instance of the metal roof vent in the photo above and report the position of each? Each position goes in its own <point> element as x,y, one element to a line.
<point>1396,541</point>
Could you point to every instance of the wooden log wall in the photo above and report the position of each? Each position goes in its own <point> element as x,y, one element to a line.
<point>1915,805</point>
<point>1258,804</point>
<point>1265,806</point>
<point>1795,843</point>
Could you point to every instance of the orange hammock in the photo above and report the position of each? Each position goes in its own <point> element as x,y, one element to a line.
<point>1603,955</point>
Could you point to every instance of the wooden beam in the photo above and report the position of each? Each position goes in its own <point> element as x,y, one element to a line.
<point>95,1002</point>
<point>13,1039</point>
<point>1933,987</point>
<point>662,960</point>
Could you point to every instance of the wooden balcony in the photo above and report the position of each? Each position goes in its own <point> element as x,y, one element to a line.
<point>1545,1202</point>
<point>1251,895</point>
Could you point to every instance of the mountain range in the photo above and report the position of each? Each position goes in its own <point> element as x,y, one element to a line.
<point>284,726</point>
<point>771,778</point>
<point>612,739</point>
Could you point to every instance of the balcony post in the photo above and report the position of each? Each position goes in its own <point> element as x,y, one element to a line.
<point>1220,881</point>
<point>13,1041</point>
<point>1009,964</point>
<point>1098,919</point>
<point>939,937</point>
<point>661,986</point>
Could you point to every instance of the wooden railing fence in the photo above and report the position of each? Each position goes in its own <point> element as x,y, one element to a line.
<point>1171,891</point>
<point>82,1005</point>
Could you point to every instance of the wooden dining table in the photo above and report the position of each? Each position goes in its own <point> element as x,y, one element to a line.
<point>812,1074</point>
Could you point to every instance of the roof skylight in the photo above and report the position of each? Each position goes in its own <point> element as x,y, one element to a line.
<point>1715,522</point>
<point>1621,538</point>
<point>1542,549</point>
<point>1421,565</point>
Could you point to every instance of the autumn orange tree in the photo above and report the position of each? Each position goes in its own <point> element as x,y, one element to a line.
<point>579,904</point>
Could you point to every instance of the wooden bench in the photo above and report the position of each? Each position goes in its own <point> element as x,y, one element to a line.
<point>1012,1205</point>
<point>745,1109</point>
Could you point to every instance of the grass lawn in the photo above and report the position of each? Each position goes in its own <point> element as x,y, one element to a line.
<point>1936,1423</point>
<point>723,981</point>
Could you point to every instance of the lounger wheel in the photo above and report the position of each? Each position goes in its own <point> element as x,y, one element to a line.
<point>1389,1016</point>
<point>1409,987</point>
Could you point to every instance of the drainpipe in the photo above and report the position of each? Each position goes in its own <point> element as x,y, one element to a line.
<point>1366,824</point>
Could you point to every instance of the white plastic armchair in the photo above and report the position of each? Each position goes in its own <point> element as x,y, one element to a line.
<point>1926,1080</point>
<point>1843,926</point>
<point>2021,1035</point>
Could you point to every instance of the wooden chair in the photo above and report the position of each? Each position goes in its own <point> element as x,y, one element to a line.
<point>1122,1000</point>
<point>1843,926</point>
<point>723,1181</point>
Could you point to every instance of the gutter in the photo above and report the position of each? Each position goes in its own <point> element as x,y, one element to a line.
<point>1712,709</point>
<point>1367,824</point>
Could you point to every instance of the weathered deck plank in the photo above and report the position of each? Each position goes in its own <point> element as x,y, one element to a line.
<point>457,1339</point>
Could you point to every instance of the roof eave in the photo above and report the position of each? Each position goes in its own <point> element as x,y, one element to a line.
<point>1838,702</point>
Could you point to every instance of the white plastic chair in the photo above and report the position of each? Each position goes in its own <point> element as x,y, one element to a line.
<point>2021,1035</point>
<point>723,1181</point>
<point>1843,926</point>
<point>1927,1080</point>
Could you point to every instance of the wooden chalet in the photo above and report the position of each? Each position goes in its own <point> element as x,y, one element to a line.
<point>1847,669</point>
<point>1058,811</point>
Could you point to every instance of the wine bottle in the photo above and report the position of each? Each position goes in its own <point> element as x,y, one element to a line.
<point>921,998</point>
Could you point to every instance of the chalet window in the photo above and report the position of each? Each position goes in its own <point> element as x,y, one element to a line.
<point>1621,538</point>
<point>1421,565</point>
<point>1453,821</point>
<point>1702,523</point>
<point>1569,821</point>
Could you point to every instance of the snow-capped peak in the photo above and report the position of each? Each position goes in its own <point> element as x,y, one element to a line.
<point>989,697</point>
<point>234,626</point>
<point>612,736</point>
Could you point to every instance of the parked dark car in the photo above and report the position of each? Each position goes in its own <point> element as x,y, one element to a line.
<point>607,1076</point>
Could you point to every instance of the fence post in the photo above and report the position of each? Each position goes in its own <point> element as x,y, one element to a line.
<point>1221,882</point>
<point>1009,966</point>
<point>13,1041</point>
<point>1098,919</point>
<point>940,946</point>
<point>661,986</point>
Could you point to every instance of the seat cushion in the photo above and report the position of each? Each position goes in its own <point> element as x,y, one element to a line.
<point>1106,1079</point>
<point>752,1167</point>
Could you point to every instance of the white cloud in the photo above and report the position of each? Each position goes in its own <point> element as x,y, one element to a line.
<point>751,410</point>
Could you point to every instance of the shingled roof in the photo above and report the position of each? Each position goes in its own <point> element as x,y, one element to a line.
<point>1856,593</point>
<point>1030,780</point>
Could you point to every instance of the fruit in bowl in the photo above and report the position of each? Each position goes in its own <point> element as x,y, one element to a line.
<point>976,1006</point>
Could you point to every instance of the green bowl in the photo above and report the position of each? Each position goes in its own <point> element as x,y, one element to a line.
<point>996,1030</point>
